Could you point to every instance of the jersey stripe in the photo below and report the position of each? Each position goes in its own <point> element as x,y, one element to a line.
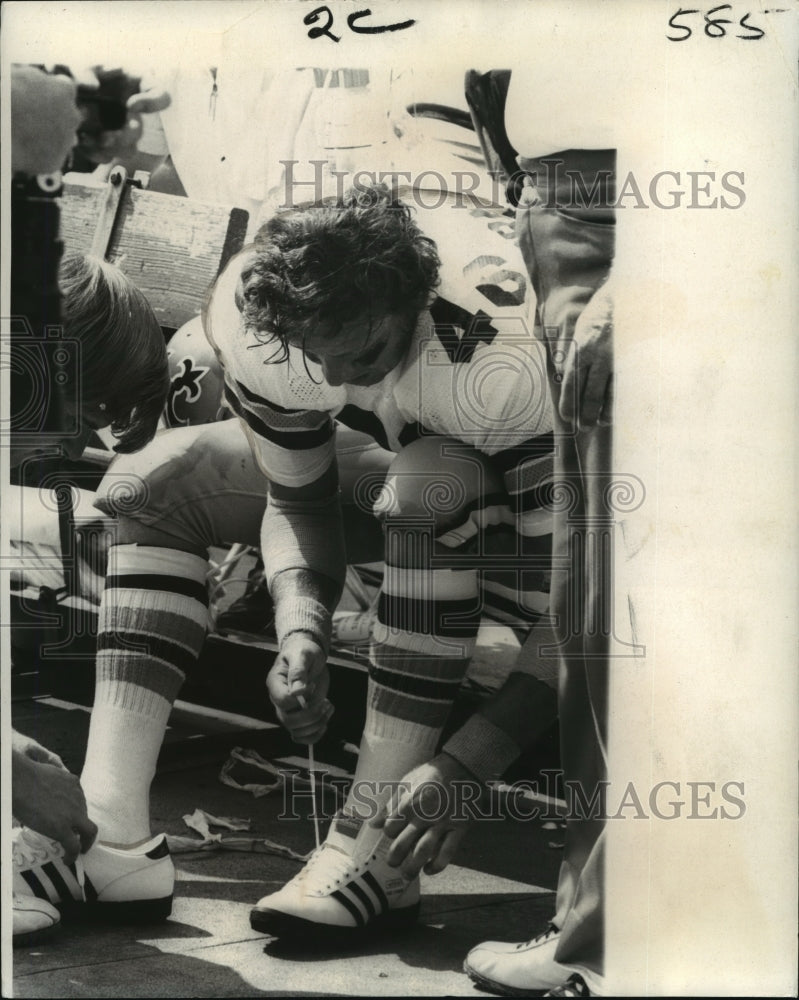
<point>302,439</point>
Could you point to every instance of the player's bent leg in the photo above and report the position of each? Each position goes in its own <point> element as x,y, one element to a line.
<point>427,625</point>
<point>190,488</point>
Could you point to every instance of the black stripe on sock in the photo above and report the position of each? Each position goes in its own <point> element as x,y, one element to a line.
<point>350,906</point>
<point>374,885</point>
<point>150,645</point>
<point>533,448</point>
<point>496,544</point>
<point>55,876</point>
<point>448,619</point>
<point>419,687</point>
<point>36,886</point>
<point>369,906</point>
<point>158,581</point>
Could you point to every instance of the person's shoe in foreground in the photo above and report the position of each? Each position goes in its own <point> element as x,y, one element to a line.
<point>132,883</point>
<point>35,920</point>
<point>346,890</point>
<point>515,970</point>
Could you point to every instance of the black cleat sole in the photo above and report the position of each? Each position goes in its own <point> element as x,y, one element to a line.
<point>284,925</point>
<point>134,911</point>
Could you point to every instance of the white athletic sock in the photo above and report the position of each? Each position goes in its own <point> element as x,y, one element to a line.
<point>383,760</point>
<point>417,663</point>
<point>125,740</point>
<point>153,617</point>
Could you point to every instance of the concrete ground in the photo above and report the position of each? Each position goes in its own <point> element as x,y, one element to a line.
<point>501,886</point>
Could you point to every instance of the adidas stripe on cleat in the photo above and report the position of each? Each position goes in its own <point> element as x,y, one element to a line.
<point>127,884</point>
<point>40,870</point>
<point>341,893</point>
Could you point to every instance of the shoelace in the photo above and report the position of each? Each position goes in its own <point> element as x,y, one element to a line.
<point>313,794</point>
<point>547,933</point>
<point>326,867</point>
<point>301,700</point>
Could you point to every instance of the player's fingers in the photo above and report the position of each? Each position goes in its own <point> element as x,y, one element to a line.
<point>277,684</point>
<point>301,663</point>
<point>423,851</point>
<point>388,809</point>
<point>399,813</point>
<point>87,834</point>
<point>309,724</point>
<point>403,844</point>
<point>71,843</point>
<point>149,101</point>
<point>446,851</point>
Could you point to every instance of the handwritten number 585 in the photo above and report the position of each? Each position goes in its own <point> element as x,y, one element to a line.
<point>714,26</point>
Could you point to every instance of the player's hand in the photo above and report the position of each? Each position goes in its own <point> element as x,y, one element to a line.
<point>44,118</point>
<point>119,144</point>
<point>429,817</point>
<point>586,392</point>
<point>35,751</point>
<point>298,684</point>
<point>49,800</point>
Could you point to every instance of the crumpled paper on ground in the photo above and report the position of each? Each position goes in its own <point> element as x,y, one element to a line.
<point>247,771</point>
<point>249,766</point>
<point>202,821</point>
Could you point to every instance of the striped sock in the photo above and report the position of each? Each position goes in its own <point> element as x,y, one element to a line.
<point>422,643</point>
<point>152,626</point>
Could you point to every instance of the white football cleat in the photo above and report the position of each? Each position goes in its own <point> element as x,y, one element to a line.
<point>517,969</point>
<point>346,890</point>
<point>129,884</point>
<point>115,883</point>
<point>35,919</point>
<point>40,870</point>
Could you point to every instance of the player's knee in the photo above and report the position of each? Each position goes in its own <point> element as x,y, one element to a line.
<point>435,479</point>
<point>132,494</point>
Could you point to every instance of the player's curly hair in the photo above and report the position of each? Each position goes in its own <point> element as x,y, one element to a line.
<point>324,265</point>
